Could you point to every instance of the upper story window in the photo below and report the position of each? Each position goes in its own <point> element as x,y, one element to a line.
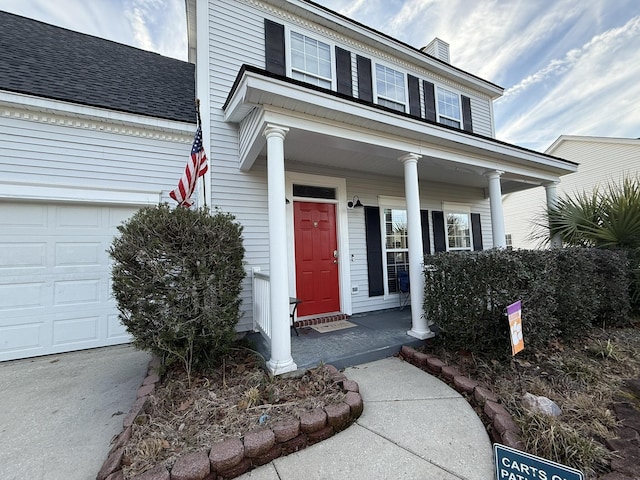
<point>310,60</point>
<point>449,108</point>
<point>390,88</point>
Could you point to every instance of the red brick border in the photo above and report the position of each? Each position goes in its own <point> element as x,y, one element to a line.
<point>231,458</point>
<point>501,427</point>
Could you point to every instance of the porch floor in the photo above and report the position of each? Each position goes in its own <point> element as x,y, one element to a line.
<point>376,335</point>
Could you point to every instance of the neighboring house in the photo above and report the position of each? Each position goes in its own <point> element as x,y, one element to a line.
<point>308,115</point>
<point>90,130</point>
<point>602,160</point>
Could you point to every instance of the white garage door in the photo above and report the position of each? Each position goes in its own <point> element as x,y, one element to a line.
<point>55,286</point>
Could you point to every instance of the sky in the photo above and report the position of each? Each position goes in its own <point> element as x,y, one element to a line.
<point>568,67</point>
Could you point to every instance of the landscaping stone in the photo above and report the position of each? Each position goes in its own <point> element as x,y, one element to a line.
<point>258,442</point>
<point>511,439</point>
<point>145,390</point>
<point>408,352</point>
<point>504,423</point>
<point>286,430</point>
<point>627,415</point>
<point>420,359</point>
<point>116,476</point>
<point>435,365</point>
<point>152,378</point>
<point>313,420</point>
<point>270,455</point>
<point>121,439</point>
<point>111,464</point>
<point>350,386</point>
<point>320,435</point>
<point>482,394</point>
<point>135,410</point>
<point>616,476</point>
<point>193,466</point>
<point>464,384</point>
<point>295,444</point>
<point>492,409</point>
<point>540,404</point>
<point>226,455</point>
<point>338,416</point>
<point>157,473</point>
<point>354,400</point>
<point>239,469</point>
<point>627,465</point>
<point>449,373</point>
<point>331,369</point>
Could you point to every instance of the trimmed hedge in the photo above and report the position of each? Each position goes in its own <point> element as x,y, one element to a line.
<point>563,292</point>
<point>177,278</point>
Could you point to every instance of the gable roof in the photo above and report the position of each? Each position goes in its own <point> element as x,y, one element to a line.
<point>52,62</point>
<point>587,139</point>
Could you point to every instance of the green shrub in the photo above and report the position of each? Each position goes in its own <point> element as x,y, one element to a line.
<point>177,277</point>
<point>564,292</point>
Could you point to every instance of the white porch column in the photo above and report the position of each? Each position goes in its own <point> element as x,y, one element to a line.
<point>281,360</point>
<point>419,327</point>
<point>497,216</point>
<point>551,190</point>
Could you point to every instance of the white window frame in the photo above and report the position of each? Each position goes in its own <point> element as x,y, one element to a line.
<point>457,209</point>
<point>378,96</point>
<point>448,117</point>
<point>289,62</point>
<point>396,203</point>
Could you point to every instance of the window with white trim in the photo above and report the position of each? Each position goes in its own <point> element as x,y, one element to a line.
<point>458,227</point>
<point>310,60</point>
<point>396,248</point>
<point>390,88</point>
<point>449,112</point>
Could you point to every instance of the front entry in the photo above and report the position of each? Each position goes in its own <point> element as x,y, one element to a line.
<point>316,251</point>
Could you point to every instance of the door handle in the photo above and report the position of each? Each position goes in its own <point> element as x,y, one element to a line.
<point>335,256</point>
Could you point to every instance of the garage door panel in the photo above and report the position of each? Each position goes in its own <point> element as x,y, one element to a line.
<point>23,340</point>
<point>22,255</point>
<point>115,329</point>
<point>24,215</point>
<point>20,296</point>
<point>71,254</point>
<point>76,292</point>
<point>83,218</point>
<point>80,330</point>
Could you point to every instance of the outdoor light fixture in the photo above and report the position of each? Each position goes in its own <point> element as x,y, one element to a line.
<point>355,203</point>
<point>286,200</point>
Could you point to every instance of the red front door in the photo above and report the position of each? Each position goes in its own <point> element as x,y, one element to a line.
<point>316,262</point>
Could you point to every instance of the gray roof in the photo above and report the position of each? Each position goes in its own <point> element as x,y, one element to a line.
<point>52,62</point>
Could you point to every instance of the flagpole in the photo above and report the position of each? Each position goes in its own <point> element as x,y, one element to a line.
<point>204,183</point>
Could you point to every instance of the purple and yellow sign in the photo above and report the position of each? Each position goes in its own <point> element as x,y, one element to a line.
<point>514,312</point>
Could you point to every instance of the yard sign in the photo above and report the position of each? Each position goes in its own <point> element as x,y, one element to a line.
<point>514,312</point>
<point>512,464</point>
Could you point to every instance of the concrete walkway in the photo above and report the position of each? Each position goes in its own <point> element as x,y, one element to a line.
<point>413,427</point>
<point>59,413</point>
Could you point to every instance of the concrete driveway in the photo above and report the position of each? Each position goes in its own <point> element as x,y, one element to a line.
<point>59,413</point>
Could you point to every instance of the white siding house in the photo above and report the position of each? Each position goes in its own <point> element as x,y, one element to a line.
<point>602,160</point>
<point>346,155</point>
<point>88,134</point>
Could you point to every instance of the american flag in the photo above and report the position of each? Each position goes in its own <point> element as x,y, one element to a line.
<point>196,167</point>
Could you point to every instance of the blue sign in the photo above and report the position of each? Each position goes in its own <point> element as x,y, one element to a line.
<point>513,464</point>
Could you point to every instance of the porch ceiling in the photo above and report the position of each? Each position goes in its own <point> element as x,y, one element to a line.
<point>340,132</point>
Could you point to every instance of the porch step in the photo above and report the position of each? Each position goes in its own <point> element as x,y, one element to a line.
<point>306,322</point>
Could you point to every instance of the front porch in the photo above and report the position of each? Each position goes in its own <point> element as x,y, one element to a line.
<point>376,335</point>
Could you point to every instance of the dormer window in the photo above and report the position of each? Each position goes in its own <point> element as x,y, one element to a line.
<point>390,88</point>
<point>449,108</point>
<point>310,60</point>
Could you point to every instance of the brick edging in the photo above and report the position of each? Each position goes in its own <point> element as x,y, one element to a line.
<point>502,429</point>
<point>233,457</point>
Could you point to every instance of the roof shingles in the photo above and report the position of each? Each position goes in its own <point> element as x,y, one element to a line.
<point>52,62</point>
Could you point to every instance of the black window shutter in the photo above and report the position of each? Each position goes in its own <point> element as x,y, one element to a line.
<point>424,219</point>
<point>414,95</point>
<point>466,114</point>
<point>365,81</point>
<point>374,251</point>
<point>439,234</point>
<point>476,231</point>
<point>343,71</point>
<point>429,100</point>
<point>274,47</point>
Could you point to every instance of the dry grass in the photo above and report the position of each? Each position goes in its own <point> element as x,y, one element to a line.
<point>227,402</point>
<point>581,377</point>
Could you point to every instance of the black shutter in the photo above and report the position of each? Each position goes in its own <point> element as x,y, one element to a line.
<point>274,47</point>
<point>374,251</point>
<point>476,231</point>
<point>424,219</point>
<point>365,81</point>
<point>466,114</point>
<point>429,100</point>
<point>439,234</point>
<point>343,71</point>
<point>414,95</point>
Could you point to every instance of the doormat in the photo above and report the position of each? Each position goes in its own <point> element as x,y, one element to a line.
<point>333,326</point>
